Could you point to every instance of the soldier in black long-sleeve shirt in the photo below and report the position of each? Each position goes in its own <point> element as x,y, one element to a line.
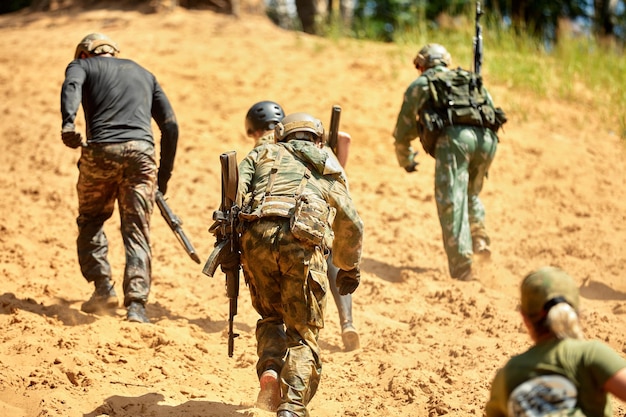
<point>117,162</point>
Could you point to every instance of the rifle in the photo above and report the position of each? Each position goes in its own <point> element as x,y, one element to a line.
<point>227,239</point>
<point>333,132</point>
<point>175,223</point>
<point>478,42</point>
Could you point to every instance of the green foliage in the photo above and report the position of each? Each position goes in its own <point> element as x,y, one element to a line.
<point>577,69</point>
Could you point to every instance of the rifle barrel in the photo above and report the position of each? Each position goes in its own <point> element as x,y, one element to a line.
<point>333,132</point>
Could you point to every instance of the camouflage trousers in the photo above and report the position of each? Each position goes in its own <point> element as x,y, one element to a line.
<point>463,158</point>
<point>288,286</point>
<point>126,173</point>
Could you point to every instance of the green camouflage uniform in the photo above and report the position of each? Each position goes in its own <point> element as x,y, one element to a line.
<point>268,138</point>
<point>463,156</point>
<point>286,276</point>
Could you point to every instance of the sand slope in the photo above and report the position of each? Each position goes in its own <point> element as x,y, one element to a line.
<point>430,344</point>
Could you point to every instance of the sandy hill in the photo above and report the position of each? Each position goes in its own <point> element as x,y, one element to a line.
<point>430,344</point>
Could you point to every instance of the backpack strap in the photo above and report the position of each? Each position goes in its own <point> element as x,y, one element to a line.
<point>280,205</point>
<point>274,171</point>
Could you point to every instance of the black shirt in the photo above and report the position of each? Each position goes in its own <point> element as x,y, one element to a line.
<point>119,98</point>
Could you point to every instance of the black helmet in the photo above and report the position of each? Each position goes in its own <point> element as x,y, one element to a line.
<point>264,115</point>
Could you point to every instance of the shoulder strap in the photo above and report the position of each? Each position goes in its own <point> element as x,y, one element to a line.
<point>272,178</point>
<point>274,171</point>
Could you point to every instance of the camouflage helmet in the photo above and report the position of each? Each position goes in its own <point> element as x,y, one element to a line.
<point>263,115</point>
<point>96,44</point>
<point>432,55</point>
<point>303,125</point>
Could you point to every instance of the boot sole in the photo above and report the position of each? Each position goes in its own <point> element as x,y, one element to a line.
<point>269,396</point>
<point>351,340</point>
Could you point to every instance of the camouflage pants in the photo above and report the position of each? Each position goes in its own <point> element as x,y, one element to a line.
<point>126,173</point>
<point>463,158</point>
<point>288,286</point>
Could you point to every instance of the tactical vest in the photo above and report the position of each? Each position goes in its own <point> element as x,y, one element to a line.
<point>457,97</point>
<point>310,216</point>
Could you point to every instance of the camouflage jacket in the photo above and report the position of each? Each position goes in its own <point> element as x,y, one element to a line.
<point>268,138</point>
<point>327,181</point>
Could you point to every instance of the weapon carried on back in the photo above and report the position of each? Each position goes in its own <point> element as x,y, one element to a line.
<point>175,223</point>
<point>226,251</point>
<point>478,41</point>
<point>333,132</point>
<point>499,117</point>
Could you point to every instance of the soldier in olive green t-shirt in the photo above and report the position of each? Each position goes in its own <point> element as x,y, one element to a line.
<point>562,374</point>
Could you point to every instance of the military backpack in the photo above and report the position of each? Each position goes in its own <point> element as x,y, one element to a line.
<point>457,97</point>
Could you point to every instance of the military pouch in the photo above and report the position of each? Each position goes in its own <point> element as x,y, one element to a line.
<point>468,116</point>
<point>277,206</point>
<point>430,127</point>
<point>500,117</point>
<point>310,220</point>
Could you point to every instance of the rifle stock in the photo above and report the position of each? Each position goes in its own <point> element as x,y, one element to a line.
<point>227,239</point>
<point>333,132</point>
<point>175,223</point>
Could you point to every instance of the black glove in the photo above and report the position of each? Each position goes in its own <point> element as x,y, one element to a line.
<point>71,139</point>
<point>348,281</point>
<point>162,179</point>
<point>230,261</point>
<point>412,167</point>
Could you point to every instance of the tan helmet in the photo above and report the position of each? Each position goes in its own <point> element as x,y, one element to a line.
<point>295,123</point>
<point>96,44</point>
<point>431,55</point>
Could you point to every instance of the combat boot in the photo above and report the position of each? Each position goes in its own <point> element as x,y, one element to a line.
<point>481,248</point>
<point>286,413</point>
<point>350,337</point>
<point>103,299</point>
<point>466,275</point>
<point>136,313</point>
<point>269,396</point>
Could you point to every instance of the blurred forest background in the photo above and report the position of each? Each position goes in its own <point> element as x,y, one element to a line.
<point>387,20</point>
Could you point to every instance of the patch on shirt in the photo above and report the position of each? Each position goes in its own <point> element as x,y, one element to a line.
<point>547,395</point>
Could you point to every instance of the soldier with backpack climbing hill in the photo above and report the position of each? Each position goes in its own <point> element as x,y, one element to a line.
<point>457,123</point>
<point>261,119</point>
<point>295,208</point>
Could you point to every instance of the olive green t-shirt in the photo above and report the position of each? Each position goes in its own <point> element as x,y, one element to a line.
<point>566,375</point>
